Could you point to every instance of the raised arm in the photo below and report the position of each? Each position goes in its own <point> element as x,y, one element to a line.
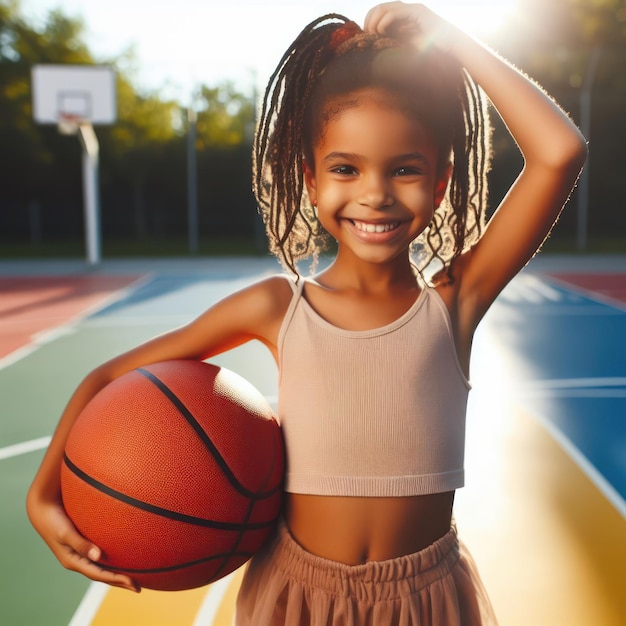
<point>554,151</point>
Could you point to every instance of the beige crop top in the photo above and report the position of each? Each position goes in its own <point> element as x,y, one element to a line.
<point>378,412</point>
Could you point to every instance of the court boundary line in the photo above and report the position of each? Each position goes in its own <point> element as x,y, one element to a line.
<point>213,601</point>
<point>607,387</point>
<point>17,449</point>
<point>97,591</point>
<point>18,354</point>
<point>575,383</point>
<point>603,392</point>
<point>601,483</point>
<point>89,604</point>
<point>594,475</point>
<point>596,296</point>
<point>47,335</point>
<point>40,443</point>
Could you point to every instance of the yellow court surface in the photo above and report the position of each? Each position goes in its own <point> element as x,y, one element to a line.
<point>214,605</point>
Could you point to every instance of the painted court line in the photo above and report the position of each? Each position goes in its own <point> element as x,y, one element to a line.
<point>605,487</point>
<point>17,355</point>
<point>614,387</point>
<point>50,334</point>
<point>212,601</point>
<point>89,605</point>
<point>96,593</point>
<point>576,383</point>
<point>23,448</point>
<point>607,387</point>
<point>114,321</point>
<point>558,384</point>
<point>582,393</point>
<point>597,296</point>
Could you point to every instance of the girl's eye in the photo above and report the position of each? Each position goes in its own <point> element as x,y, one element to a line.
<point>346,170</point>
<point>407,171</point>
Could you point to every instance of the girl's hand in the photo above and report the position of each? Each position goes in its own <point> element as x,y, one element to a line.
<point>411,23</point>
<point>72,550</point>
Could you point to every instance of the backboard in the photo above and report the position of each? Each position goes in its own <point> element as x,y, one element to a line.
<point>84,92</point>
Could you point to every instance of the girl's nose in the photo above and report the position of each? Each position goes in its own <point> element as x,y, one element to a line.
<point>375,192</point>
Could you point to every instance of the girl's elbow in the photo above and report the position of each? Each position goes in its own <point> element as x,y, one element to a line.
<point>567,157</point>
<point>572,160</point>
<point>578,152</point>
<point>574,151</point>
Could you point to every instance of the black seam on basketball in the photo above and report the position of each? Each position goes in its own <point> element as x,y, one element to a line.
<point>179,566</point>
<point>157,510</point>
<point>184,411</point>
<point>240,535</point>
<point>251,504</point>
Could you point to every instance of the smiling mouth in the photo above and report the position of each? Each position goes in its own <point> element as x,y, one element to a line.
<point>368,227</point>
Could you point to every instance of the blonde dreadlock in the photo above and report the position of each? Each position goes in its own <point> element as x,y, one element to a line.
<point>333,57</point>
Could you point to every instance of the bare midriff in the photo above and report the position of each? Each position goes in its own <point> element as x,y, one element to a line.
<point>354,530</point>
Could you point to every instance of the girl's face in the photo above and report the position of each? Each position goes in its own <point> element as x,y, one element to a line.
<point>374,179</point>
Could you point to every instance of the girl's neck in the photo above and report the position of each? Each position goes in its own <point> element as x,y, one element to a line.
<point>355,274</point>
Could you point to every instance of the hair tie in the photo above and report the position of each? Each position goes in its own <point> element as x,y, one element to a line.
<point>342,34</point>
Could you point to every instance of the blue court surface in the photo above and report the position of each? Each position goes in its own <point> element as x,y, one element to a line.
<point>569,351</point>
<point>544,507</point>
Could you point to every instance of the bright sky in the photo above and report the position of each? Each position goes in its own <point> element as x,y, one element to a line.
<point>182,43</point>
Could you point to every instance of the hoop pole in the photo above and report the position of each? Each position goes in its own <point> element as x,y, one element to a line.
<point>585,127</point>
<point>91,150</point>
<point>192,182</point>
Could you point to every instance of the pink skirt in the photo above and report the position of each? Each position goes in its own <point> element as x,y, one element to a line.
<point>284,585</point>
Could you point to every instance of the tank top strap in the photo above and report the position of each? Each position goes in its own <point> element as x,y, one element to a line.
<point>296,285</point>
<point>297,288</point>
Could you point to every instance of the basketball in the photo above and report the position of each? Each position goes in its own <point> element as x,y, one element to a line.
<point>175,471</point>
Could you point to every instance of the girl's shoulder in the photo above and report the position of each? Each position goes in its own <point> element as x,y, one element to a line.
<point>255,311</point>
<point>271,296</point>
<point>278,286</point>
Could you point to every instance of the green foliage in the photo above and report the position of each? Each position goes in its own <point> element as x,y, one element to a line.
<point>601,22</point>
<point>225,117</point>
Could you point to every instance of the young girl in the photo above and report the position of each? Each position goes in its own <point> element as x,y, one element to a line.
<point>376,139</point>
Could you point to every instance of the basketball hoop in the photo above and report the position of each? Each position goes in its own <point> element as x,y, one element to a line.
<point>74,98</point>
<point>68,123</point>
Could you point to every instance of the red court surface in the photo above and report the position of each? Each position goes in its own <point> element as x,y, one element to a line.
<point>30,305</point>
<point>611,286</point>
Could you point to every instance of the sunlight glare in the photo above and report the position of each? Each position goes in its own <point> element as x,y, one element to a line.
<point>480,18</point>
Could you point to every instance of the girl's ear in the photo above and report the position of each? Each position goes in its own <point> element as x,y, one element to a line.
<point>309,181</point>
<point>441,184</point>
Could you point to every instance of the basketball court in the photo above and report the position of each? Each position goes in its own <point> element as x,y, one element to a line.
<point>545,504</point>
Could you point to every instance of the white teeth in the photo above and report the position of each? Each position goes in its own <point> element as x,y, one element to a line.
<point>375,228</point>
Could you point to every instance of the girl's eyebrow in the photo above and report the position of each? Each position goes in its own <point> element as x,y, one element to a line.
<point>339,156</point>
<point>413,156</point>
<point>349,156</point>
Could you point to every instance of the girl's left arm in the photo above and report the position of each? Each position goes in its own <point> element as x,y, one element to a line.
<point>554,152</point>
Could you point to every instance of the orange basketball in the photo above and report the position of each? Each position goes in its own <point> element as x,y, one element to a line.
<point>175,471</point>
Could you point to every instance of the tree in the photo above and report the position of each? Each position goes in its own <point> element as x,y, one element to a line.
<point>225,116</point>
<point>554,42</point>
